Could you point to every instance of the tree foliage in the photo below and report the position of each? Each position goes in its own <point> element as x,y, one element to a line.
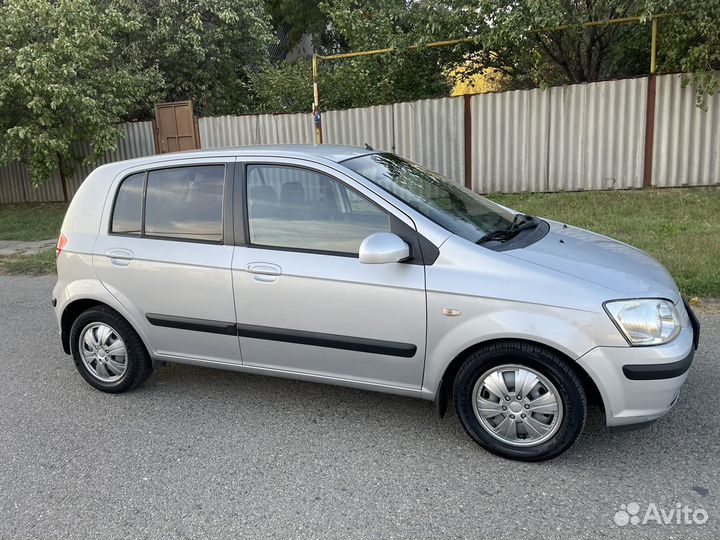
<point>203,49</point>
<point>515,40</point>
<point>362,25</point>
<point>690,43</point>
<point>298,18</point>
<point>66,79</point>
<point>524,44</point>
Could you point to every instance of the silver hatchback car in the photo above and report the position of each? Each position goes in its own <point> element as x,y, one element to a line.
<point>349,266</point>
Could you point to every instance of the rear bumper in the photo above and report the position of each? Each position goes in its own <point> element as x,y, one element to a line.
<point>640,384</point>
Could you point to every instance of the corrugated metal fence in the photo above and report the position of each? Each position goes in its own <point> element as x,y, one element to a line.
<point>687,140</point>
<point>427,131</point>
<point>579,137</point>
<point>137,141</point>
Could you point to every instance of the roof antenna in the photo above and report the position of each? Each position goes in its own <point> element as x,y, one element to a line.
<point>368,147</point>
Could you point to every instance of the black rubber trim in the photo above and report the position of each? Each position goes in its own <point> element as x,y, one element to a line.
<point>65,339</point>
<point>318,339</point>
<point>631,427</point>
<point>695,323</point>
<point>188,323</point>
<point>331,341</point>
<point>523,238</point>
<point>441,400</point>
<point>654,372</point>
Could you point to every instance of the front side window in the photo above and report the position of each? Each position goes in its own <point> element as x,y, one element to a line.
<point>185,203</point>
<point>127,214</point>
<point>295,208</point>
<point>457,209</point>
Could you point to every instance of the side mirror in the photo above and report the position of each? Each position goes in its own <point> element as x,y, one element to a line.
<point>380,248</point>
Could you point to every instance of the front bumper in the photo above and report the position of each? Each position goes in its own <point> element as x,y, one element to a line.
<point>640,384</point>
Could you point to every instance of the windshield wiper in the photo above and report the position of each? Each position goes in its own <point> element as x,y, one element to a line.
<point>519,223</point>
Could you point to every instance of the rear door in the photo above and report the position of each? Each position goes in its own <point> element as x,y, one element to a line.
<point>304,302</point>
<point>165,253</point>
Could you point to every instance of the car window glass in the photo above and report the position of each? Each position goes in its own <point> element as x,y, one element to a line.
<point>127,214</point>
<point>185,203</point>
<point>297,208</point>
<point>457,209</point>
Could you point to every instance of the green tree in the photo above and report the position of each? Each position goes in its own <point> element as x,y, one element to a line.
<point>370,24</point>
<point>515,37</point>
<point>524,45</point>
<point>65,80</point>
<point>205,50</point>
<point>690,43</point>
<point>298,18</point>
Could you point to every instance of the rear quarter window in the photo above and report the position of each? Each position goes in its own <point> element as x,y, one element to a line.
<point>127,214</point>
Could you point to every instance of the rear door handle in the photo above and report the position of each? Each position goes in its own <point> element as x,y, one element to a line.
<point>264,272</point>
<point>119,257</point>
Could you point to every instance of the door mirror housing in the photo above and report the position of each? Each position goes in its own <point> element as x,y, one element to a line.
<point>381,248</point>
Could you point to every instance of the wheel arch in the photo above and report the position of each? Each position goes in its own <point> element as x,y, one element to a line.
<point>444,389</point>
<point>77,306</point>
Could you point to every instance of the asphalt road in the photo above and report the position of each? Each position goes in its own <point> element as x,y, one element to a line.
<point>204,453</point>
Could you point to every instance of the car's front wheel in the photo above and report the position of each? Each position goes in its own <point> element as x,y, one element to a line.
<point>520,401</point>
<point>108,352</point>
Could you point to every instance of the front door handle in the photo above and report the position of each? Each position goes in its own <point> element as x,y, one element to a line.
<point>263,272</point>
<point>119,257</point>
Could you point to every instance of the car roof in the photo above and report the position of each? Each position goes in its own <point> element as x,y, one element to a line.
<point>331,152</point>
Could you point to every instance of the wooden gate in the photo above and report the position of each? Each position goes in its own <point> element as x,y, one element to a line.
<point>175,127</point>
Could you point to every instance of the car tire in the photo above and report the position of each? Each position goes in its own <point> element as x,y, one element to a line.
<point>97,338</point>
<point>538,430</point>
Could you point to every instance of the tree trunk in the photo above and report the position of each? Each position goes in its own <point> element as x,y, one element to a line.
<point>63,179</point>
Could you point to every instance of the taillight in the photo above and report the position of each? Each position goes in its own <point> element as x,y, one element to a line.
<point>62,241</point>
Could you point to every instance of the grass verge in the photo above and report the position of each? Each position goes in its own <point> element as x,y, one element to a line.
<point>32,221</point>
<point>679,227</point>
<point>29,265</point>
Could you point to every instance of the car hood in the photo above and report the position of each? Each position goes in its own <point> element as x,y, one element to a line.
<point>625,270</point>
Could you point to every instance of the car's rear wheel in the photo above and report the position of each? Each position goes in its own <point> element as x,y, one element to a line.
<point>520,401</point>
<point>107,351</point>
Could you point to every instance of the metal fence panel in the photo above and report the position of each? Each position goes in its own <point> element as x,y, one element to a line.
<point>357,127</point>
<point>510,141</point>
<point>686,149</point>
<point>597,135</point>
<point>285,129</point>
<point>13,183</point>
<point>220,131</point>
<point>578,137</point>
<point>430,132</point>
<point>15,186</point>
<point>137,141</point>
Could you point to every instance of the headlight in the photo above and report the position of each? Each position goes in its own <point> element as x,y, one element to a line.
<point>648,321</point>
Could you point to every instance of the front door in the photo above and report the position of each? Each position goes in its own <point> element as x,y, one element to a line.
<point>305,304</point>
<point>165,255</point>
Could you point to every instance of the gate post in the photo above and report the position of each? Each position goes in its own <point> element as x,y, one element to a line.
<point>467,144</point>
<point>650,109</point>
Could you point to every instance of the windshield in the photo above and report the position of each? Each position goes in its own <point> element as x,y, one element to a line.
<point>457,209</point>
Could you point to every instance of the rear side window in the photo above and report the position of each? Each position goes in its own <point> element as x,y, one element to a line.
<point>183,203</point>
<point>127,215</point>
